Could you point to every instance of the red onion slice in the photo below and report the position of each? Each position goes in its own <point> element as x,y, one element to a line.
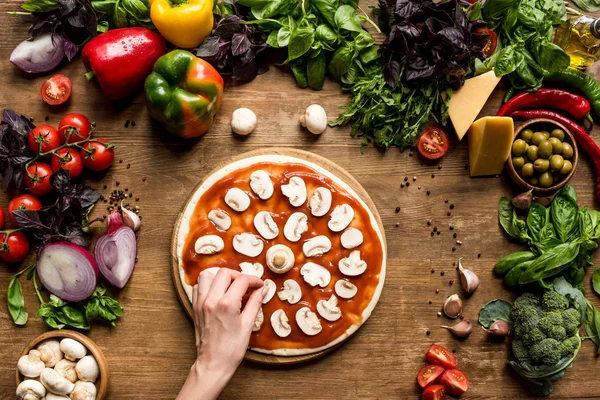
<point>115,252</point>
<point>68,271</point>
<point>40,55</point>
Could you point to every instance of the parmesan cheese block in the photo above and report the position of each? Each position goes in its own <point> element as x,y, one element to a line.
<point>466,103</point>
<point>490,142</point>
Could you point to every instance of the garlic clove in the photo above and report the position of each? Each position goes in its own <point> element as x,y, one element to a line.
<point>130,218</point>
<point>523,201</point>
<point>469,281</point>
<point>453,306</point>
<point>463,329</point>
<point>499,328</point>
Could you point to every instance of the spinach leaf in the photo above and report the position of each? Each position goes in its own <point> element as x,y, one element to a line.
<point>596,281</point>
<point>301,39</point>
<point>551,263</point>
<point>40,5</point>
<point>537,218</point>
<point>493,311</point>
<point>316,71</point>
<point>509,220</point>
<point>16,301</point>
<point>565,216</point>
<point>347,18</point>
<point>505,264</point>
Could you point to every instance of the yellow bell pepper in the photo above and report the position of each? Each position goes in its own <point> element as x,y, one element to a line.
<point>185,23</point>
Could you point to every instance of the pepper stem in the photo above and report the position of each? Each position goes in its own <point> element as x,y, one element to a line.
<point>588,116</point>
<point>89,76</point>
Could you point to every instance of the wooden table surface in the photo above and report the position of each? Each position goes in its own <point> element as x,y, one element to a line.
<point>152,348</point>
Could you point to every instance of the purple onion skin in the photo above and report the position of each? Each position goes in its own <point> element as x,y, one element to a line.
<point>49,51</point>
<point>117,237</point>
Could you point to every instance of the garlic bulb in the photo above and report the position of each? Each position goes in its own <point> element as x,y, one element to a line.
<point>130,218</point>
<point>462,329</point>
<point>453,306</point>
<point>468,279</point>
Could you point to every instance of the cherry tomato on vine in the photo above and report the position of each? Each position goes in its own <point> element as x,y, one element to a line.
<point>2,218</point>
<point>434,392</point>
<point>23,202</point>
<point>44,134</point>
<point>16,247</point>
<point>74,127</point>
<point>56,90</point>
<point>69,160</point>
<point>37,179</point>
<point>490,46</point>
<point>455,381</point>
<point>433,144</point>
<point>429,374</point>
<point>439,355</point>
<point>98,156</point>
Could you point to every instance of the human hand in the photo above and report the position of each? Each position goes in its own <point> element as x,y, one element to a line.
<point>223,329</point>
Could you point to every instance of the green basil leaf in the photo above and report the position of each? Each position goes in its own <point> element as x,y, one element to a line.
<point>505,264</point>
<point>363,40</point>
<point>589,6</point>
<point>74,317</point>
<point>56,301</point>
<point>315,69</point>
<point>327,9</point>
<point>40,5</point>
<point>565,216</point>
<point>283,37</point>
<point>298,68</point>
<point>575,295</point>
<point>348,19</point>
<point>552,58</point>
<point>53,323</point>
<point>514,275</point>
<point>547,239</point>
<point>369,55</point>
<point>507,215</point>
<point>272,39</point>
<point>550,263</point>
<point>596,281</point>
<point>508,60</point>
<point>16,301</point>
<point>301,39</point>
<point>537,218</point>
<point>475,13</point>
<point>493,311</point>
<point>326,34</point>
<point>139,11</point>
<point>591,323</point>
<point>341,62</point>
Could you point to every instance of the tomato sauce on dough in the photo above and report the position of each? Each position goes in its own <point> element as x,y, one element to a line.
<point>278,205</point>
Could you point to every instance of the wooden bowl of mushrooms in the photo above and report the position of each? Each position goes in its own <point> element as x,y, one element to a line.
<point>62,365</point>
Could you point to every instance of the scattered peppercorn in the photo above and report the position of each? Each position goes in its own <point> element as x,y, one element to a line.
<point>419,187</point>
<point>458,242</point>
<point>407,184</point>
<point>437,290</point>
<point>462,316</point>
<point>454,350</point>
<point>439,232</point>
<point>121,161</point>
<point>137,199</point>
<point>430,302</point>
<point>453,249</point>
<point>449,213</point>
<point>435,228</point>
<point>414,178</point>
<point>454,235</point>
<point>442,273</point>
<point>397,224</point>
<point>439,314</point>
<point>144,178</point>
<point>117,183</point>
<point>478,255</point>
<point>405,178</point>
<point>105,186</point>
<point>132,124</point>
<point>432,233</point>
<point>128,166</point>
<point>401,185</point>
<point>127,124</point>
<point>440,166</point>
<point>451,282</point>
<point>452,206</point>
<point>428,222</point>
<point>410,154</point>
<point>397,209</point>
<point>451,227</point>
<point>428,192</point>
<point>446,200</point>
<point>428,332</point>
<point>432,270</point>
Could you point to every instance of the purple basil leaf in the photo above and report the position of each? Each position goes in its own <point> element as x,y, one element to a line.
<point>87,196</point>
<point>244,72</point>
<point>209,47</point>
<point>66,6</point>
<point>240,44</point>
<point>75,234</point>
<point>60,181</point>
<point>7,177</point>
<point>30,220</point>
<point>71,49</point>
<point>391,72</point>
<point>229,27</point>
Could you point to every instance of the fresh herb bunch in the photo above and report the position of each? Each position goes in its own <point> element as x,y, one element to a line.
<point>124,13</point>
<point>393,116</point>
<point>322,37</point>
<point>435,39</point>
<point>14,151</point>
<point>525,51</point>
<point>234,48</point>
<point>588,6</point>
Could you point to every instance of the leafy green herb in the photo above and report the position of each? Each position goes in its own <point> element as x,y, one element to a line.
<point>588,6</point>
<point>507,215</point>
<point>596,281</point>
<point>102,307</point>
<point>591,323</point>
<point>15,299</point>
<point>493,311</point>
<point>125,13</point>
<point>40,5</point>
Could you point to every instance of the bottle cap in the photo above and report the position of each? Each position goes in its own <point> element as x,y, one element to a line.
<point>595,28</point>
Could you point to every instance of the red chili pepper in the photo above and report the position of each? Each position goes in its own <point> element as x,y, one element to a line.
<point>585,142</point>
<point>121,59</point>
<point>576,106</point>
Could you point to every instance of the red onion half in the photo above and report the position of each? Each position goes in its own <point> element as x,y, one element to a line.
<point>68,271</point>
<point>42,54</point>
<point>116,250</point>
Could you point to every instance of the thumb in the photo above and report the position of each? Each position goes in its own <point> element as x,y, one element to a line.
<point>252,306</point>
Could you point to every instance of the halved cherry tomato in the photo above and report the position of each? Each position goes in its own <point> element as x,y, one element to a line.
<point>44,134</point>
<point>74,127</point>
<point>1,218</point>
<point>455,381</point>
<point>439,355</point>
<point>490,46</point>
<point>56,90</point>
<point>433,144</point>
<point>429,374</point>
<point>23,202</point>
<point>16,247</point>
<point>37,179</point>
<point>98,156</point>
<point>434,392</point>
<point>69,160</point>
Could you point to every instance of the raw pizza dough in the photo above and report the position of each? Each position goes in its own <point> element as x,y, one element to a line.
<point>216,177</point>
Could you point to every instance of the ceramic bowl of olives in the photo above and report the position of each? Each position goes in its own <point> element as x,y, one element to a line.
<point>543,156</point>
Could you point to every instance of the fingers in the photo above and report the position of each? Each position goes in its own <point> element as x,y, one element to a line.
<point>220,284</point>
<point>205,281</point>
<point>252,306</point>
<point>240,286</point>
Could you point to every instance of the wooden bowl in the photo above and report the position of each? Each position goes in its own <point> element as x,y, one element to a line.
<point>103,378</point>
<point>541,124</point>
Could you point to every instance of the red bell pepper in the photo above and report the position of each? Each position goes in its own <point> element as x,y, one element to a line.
<point>121,59</point>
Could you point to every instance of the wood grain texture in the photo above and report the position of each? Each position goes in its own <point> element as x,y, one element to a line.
<point>253,356</point>
<point>151,350</point>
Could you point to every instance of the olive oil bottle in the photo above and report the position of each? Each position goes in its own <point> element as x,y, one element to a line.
<point>580,38</point>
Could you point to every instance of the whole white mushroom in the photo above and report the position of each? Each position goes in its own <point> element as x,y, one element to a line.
<point>73,349</point>
<point>30,390</point>
<point>243,121</point>
<point>30,365</point>
<point>84,391</point>
<point>314,119</point>
<point>87,369</point>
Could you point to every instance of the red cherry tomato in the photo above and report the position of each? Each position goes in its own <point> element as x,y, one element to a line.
<point>37,179</point>
<point>429,374</point>
<point>69,160</point>
<point>490,46</point>
<point>434,392</point>
<point>439,355</point>
<point>44,134</point>
<point>23,202</point>
<point>433,144</point>
<point>74,127</point>
<point>16,247</point>
<point>98,156</point>
<point>455,381</point>
<point>2,218</point>
<point>56,90</point>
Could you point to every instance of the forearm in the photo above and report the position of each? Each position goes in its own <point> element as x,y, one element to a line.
<point>204,382</point>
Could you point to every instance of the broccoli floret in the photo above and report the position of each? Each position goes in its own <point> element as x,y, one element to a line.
<point>523,329</point>
<point>551,325</point>
<point>520,351</point>
<point>554,301</point>
<point>524,313</point>
<point>532,337</point>
<point>527,299</point>
<point>547,351</point>
<point>571,320</point>
<point>569,345</point>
